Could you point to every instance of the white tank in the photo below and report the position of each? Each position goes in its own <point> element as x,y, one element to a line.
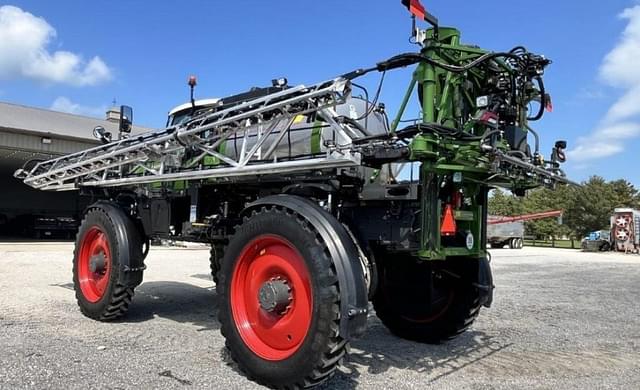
<point>309,136</point>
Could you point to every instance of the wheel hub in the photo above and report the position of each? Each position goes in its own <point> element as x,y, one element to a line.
<point>97,263</point>
<point>275,295</point>
<point>271,297</point>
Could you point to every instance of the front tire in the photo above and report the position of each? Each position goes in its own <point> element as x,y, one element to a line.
<point>97,268</point>
<point>428,301</point>
<point>280,301</point>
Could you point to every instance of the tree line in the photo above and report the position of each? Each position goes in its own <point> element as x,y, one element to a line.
<point>586,208</point>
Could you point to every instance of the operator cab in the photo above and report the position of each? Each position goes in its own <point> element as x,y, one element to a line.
<point>183,112</point>
<point>186,111</point>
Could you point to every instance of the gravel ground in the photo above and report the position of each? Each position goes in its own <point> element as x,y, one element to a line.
<point>561,319</point>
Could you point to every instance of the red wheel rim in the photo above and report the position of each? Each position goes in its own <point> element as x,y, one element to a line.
<point>271,335</point>
<point>94,264</point>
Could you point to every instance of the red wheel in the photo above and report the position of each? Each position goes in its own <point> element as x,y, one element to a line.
<point>103,290</point>
<point>94,266</point>
<point>280,301</point>
<point>271,297</point>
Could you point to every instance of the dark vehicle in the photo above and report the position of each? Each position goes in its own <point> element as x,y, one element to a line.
<point>41,226</point>
<point>598,241</point>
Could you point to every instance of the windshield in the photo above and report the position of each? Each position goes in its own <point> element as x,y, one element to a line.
<point>179,117</point>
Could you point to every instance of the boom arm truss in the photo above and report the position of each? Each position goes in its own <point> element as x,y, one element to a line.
<point>151,157</point>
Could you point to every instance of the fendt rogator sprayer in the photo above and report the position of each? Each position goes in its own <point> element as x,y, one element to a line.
<point>299,192</point>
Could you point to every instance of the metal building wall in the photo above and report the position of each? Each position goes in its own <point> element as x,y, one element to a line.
<point>18,199</point>
<point>32,142</point>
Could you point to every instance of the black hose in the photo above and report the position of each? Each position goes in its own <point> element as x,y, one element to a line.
<point>354,123</point>
<point>375,98</point>
<point>366,98</point>
<point>543,100</point>
<point>407,59</point>
<point>536,137</point>
<point>488,134</point>
<point>517,152</point>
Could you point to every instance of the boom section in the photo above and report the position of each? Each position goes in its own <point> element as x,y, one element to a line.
<point>257,128</point>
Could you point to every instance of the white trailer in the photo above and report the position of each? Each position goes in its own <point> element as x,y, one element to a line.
<point>625,226</point>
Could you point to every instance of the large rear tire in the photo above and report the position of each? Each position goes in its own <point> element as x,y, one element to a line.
<point>427,301</point>
<point>97,266</point>
<point>280,301</point>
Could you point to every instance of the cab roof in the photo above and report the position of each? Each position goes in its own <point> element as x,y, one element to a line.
<point>198,103</point>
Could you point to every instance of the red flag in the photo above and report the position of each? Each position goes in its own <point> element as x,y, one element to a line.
<point>416,8</point>
<point>549,105</point>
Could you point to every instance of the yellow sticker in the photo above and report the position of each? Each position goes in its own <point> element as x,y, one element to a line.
<point>298,119</point>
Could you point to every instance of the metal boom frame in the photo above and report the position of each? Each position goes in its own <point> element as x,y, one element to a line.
<point>149,157</point>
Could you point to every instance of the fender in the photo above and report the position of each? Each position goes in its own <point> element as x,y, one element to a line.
<point>484,282</point>
<point>131,258</point>
<point>353,288</point>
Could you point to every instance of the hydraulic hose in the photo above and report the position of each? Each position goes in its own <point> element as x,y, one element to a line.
<point>537,138</point>
<point>543,100</point>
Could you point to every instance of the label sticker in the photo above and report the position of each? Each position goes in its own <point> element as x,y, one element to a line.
<point>469,240</point>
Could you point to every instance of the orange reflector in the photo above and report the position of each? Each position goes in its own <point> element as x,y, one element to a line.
<point>448,225</point>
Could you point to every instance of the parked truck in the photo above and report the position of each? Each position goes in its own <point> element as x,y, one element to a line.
<point>503,231</point>
<point>296,189</point>
<point>508,233</point>
<point>598,241</point>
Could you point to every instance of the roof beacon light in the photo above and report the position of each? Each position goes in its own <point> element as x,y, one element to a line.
<point>192,83</point>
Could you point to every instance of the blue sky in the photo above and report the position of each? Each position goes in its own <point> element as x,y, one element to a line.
<point>78,56</point>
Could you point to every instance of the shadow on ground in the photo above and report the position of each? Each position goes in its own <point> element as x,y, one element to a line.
<point>177,301</point>
<point>378,351</point>
<point>375,353</point>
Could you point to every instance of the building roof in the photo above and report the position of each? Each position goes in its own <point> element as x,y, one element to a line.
<point>41,121</point>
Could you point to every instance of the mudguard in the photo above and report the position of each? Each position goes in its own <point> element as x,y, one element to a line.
<point>353,288</point>
<point>485,282</point>
<point>129,241</point>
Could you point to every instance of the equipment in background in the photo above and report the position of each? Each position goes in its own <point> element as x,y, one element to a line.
<point>598,241</point>
<point>625,229</point>
<point>503,231</point>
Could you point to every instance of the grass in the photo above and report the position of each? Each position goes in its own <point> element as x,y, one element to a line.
<point>548,243</point>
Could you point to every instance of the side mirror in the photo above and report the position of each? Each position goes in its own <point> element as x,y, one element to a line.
<point>126,119</point>
<point>103,135</point>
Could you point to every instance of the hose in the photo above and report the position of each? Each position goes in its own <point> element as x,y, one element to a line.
<point>543,100</point>
<point>536,136</point>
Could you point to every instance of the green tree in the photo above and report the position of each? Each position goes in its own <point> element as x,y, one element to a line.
<point>586,208</point>
<point>503,203</point>
<point>626,194</point>
<point>544,199</point>
<point>590,206</point>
